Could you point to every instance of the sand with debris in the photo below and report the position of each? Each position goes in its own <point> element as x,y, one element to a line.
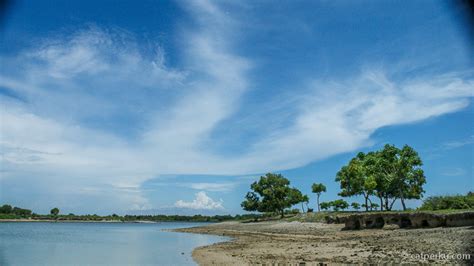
<point>279,242</point>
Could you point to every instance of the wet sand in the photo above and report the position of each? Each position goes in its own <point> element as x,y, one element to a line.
<point>297,243</point>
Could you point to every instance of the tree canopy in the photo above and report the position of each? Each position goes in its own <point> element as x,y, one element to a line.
<point>318,188</point>
<point>54,211</point>
<point>272,193</point>
<point>389,174</point>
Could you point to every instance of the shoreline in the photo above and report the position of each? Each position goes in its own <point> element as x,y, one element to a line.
<point>280,242</point>
<point>72,221</point>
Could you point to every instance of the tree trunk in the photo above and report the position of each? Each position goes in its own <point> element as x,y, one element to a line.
<point>370,202</point>
<point>366,203</point>
<point>403,203</point>
<point>391,204</point>
<point>381,203</point>
<point>386,204</point>
<point>319,209</point>
<point>302,207</point>
<point>282,212</point>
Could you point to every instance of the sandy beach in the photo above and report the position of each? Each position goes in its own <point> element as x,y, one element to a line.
<point>297,243</point>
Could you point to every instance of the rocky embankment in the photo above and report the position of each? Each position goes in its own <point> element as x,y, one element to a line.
<point>407,220</point>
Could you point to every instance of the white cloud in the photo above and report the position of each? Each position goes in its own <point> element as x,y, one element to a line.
<point>210,186</point>
<point>80,91</point>
<point>458,143</point>
<point>456,171</point>
<point>201,202</point>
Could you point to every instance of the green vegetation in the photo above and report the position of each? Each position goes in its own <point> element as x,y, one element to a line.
<point>9,212</point>
<point>455,202</point>
<point>318,188</point>
<point>272,193</point>
<point>389,174</point>
<point>336,205</point>
<point>355,206</point>
<point>54,211</point>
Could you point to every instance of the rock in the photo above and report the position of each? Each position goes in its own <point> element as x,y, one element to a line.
<point>407,220</point>
<point>460,219</point>
<point>330,219</point>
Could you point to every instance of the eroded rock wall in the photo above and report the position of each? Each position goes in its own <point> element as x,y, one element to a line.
<point>407,220</point>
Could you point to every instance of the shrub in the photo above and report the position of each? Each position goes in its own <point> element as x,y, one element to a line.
<point>448,202</point>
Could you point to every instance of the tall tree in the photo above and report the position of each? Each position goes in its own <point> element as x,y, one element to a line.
<point>410,178</point>
<point>272,193</point>
<point>318,188</point>
<point>355,180</point>
<point>400,170</point>
<point>389,174</point>
<point>304,200</point>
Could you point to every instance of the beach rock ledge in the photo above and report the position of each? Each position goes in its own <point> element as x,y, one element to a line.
<point>408,220</point>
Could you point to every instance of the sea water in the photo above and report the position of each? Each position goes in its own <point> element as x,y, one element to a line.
<point>41,243</point>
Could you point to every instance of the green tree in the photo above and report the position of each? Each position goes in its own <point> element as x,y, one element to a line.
<point>339,204</point>
<point>400,174</point>
<point>355,206</point>
<point>325,205</point>
<point>389,174</point>
<point>373,206</point>
<point>272,193</point>
<point>54,211</point>
<point>6,209</point>
<point>318,188</point>
<point>21,212</point>
<point>410,177</point>
<point>298,197</point>
<point>355,180</point>
<point>304,200</point>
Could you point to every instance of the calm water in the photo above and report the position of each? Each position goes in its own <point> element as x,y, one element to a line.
<point>98,244</point>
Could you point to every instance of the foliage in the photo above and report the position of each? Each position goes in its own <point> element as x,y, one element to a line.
<point>401,176</point>
<point>54,211</point>
<point>389,174</point>
<point>272,193</point>
<point>6,209</point>
<point>355,180</point>
<point>449,202</point>
<point>19,213</point>
<point>336,205</point>
<point>15,211</point>
<point>355,206</point>
<point>339,204</point>
<point>318,188</point>
<point>372,206</point>
<point>292,211</point>
<point>325,205</point>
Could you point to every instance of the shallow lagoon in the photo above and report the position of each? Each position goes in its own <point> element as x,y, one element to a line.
<point>39,243</point>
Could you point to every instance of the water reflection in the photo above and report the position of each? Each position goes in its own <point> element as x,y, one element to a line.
<point>98,244</point>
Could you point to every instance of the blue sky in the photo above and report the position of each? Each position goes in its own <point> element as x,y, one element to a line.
<point>178,106</point>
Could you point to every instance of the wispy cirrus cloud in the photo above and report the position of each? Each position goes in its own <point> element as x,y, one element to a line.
<point>452,172</point>
<point>211,186</point>
<point>458,143</point>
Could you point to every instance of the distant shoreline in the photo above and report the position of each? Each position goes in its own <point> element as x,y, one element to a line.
<point>69,221</point>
